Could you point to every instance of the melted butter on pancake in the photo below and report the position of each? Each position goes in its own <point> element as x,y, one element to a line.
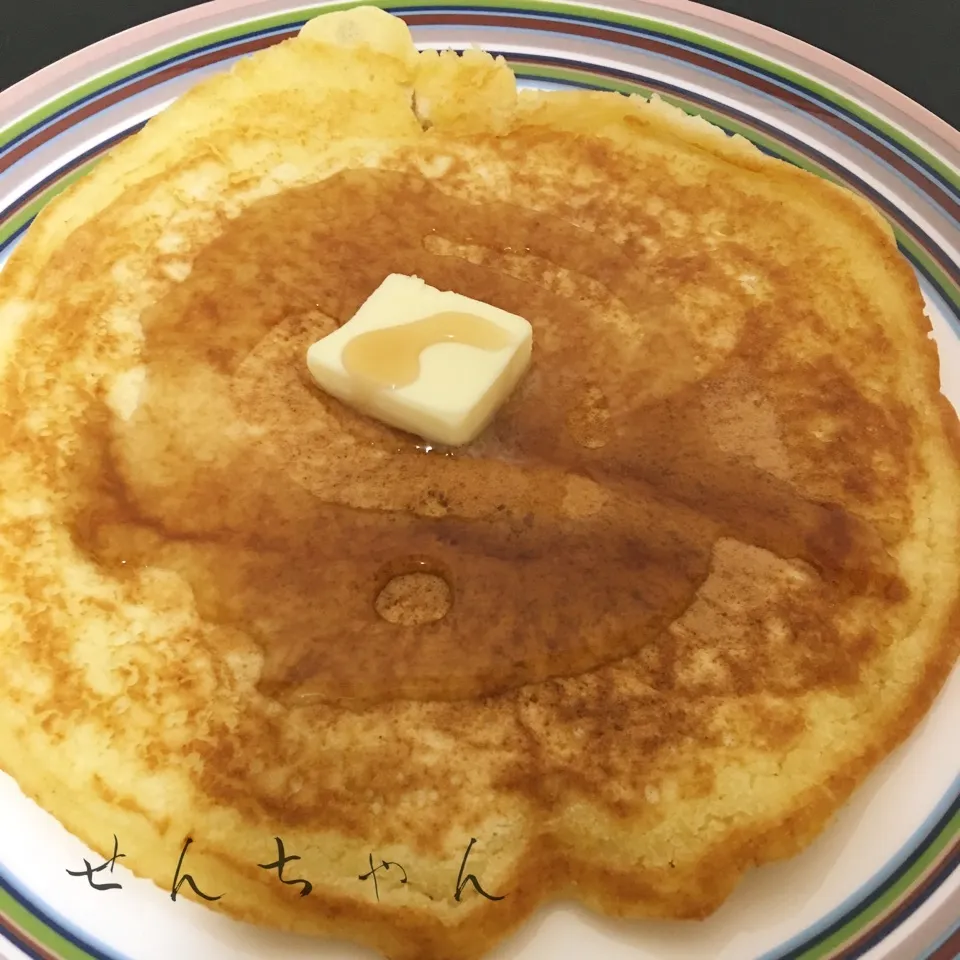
<point>431,362</point>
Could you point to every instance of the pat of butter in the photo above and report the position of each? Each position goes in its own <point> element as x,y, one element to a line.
<point>433,363</point>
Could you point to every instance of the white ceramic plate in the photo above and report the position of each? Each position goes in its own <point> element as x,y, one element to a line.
<point>883,880</point>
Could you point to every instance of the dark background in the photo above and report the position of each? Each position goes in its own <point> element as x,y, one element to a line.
<point>914,45</point>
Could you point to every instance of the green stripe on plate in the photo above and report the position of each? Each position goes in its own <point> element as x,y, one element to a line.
<point>38,930</point>
<point>25,215</point>
<point>911,878</point>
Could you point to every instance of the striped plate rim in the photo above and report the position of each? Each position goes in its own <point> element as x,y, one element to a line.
<point>931,857</point>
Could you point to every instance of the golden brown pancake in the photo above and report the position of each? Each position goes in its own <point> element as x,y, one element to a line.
<point>696,580</point>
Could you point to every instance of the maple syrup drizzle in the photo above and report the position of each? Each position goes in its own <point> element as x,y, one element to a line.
<point>389,358</point>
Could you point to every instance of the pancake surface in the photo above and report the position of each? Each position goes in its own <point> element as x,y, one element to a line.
<point>702,568</point>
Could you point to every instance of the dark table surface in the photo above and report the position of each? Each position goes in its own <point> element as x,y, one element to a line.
<point>914,45</point>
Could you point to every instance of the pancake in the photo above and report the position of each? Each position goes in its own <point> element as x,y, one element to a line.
<point>696,580</point>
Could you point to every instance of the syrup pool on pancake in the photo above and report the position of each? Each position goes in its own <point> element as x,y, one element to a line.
<point>527,576</point>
